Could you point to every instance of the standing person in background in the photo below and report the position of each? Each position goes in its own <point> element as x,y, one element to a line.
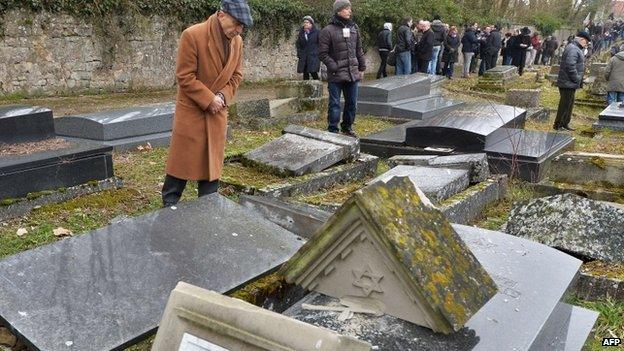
<point>570,78</point>
<point>549,48</point>
<point>439,35</point>
<point>495,43</point>
<point>469,41</point>
<point>424,49</point>
<point>340,49</point>
<point>451,51</point>
<point>416,36</point>
<point>485,49</point>
<point>536,44</point>
<point>506,50</point>
<point>521,43</point>
<point>614,73</point>
<point>209,69</point>
<point>384,45</point>
<point>404,48</point>
<point>307,50</point>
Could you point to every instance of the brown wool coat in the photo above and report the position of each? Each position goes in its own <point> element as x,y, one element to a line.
<point>198,140</point>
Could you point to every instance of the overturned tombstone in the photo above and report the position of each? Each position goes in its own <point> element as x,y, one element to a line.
<point>476,164</point>
<point>586,228</point>
<point>198,319</point>
<point>527,312</point>
<point>499,77</point>
<point>437,184</point>
<point>389,249</point>
<point>302,150</point>
<point>612,118</point>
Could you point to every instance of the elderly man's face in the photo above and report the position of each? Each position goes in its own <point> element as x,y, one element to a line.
<point>231,27</point>
<point>345,13</point>
<point>307,24</point>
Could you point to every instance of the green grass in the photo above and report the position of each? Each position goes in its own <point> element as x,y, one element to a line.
<point>610,322</point>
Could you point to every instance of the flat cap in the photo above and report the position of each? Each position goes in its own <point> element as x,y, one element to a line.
<point>583,34</point>
<point>239,9</point>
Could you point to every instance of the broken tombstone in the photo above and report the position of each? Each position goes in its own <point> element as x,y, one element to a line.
<point>302,151</point>
<point>377,250</point>
<point>197,319</point>
<point>586,228</point>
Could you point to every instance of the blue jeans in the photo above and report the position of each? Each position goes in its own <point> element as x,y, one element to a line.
<point>614,96</point>
<point>404,63</point>
<point>507,60</point>
<point>350,92</point>
<point>433,63</point>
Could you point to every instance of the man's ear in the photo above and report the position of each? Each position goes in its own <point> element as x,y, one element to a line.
<point>220,14</point>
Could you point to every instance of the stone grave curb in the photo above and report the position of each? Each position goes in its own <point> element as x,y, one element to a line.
<point>549,188</point>
<point>365,166</point>
<point>469,204</point>
<point>23,206</point>
<point>591,288</point>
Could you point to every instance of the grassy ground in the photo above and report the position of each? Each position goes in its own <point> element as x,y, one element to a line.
<point>142,172</point>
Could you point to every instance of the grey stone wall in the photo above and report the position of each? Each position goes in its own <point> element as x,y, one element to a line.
<point>53,53</point>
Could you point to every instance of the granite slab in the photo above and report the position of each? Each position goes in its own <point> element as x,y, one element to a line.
<point>107,289</point>
<point>437,183</point>
<point>350,143</point>
<point>501,72</point>
<point>295,155</point>
<point>20,123</point>
<point>613,112</point>
<point>465,129</point>
<point>532,279</point>
<point>528,145</point>
<point>118,124</point>
<point>424,108</point>
<point>395,88</point>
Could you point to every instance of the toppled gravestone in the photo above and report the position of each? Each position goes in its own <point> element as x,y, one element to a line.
<point>389,251</point>
<point>587,228</point>
<point>437,183</point>
<point>476,164</point>
<point>302,150</point>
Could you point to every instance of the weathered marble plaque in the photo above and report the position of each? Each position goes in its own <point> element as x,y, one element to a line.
<point>437,183</point>
<point>20,123</point>
<point>526,313</point>
<point>465,129</point>
<point>107,289</point>
<point>395,88</point>
<point>501,72</point>
<point>118,124</point>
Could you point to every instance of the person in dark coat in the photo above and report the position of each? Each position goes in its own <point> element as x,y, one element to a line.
<point>470,44</point>
<point>340,49</point>
<point>384,46</point>
<point>450,54</point>
<point>494,44</point>
<point>506,49</point>
<point>424,49</point>
<point>307,50</point>
<point>549,49</point>
<point>519,45</point>
<point>403,49</point>
<point>570,78</point>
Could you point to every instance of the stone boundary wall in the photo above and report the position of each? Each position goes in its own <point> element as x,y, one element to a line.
<point>48,53</point>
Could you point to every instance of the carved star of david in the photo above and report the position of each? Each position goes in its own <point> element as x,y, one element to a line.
<point>367,280</point>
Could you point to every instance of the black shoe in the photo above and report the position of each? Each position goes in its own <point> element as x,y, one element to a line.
<point>350,133</point>
<point>568,128</point>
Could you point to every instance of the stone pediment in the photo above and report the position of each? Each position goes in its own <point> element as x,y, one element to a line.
<point>389,247</point>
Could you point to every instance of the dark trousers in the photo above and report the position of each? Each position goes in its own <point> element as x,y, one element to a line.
<point>423,65</point>
<point>492,60</point>
<point>173,188</point>
<point>566,104</point>
<point>414,64</point>
<point>350,92</point>
<point>448,69</point>
<point>306,75</point>
<point>382,67</point>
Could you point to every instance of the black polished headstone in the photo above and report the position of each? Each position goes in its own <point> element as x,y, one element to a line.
<point>526,313</point>
<point>118,124</point>
<point>424,108</point>
<point>526,153</point>
<point>24,123</point>
<point>76,164</point>
<point>108,288</point>
<point>465,129</point>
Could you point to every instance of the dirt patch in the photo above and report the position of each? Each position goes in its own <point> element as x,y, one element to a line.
<point>33,147</point>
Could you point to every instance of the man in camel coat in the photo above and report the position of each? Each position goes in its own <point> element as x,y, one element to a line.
<point>209,70</point>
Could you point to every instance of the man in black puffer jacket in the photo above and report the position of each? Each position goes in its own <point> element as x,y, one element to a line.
<point>384,45</point>
<point>340,49</point>
<point>570,78</point>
